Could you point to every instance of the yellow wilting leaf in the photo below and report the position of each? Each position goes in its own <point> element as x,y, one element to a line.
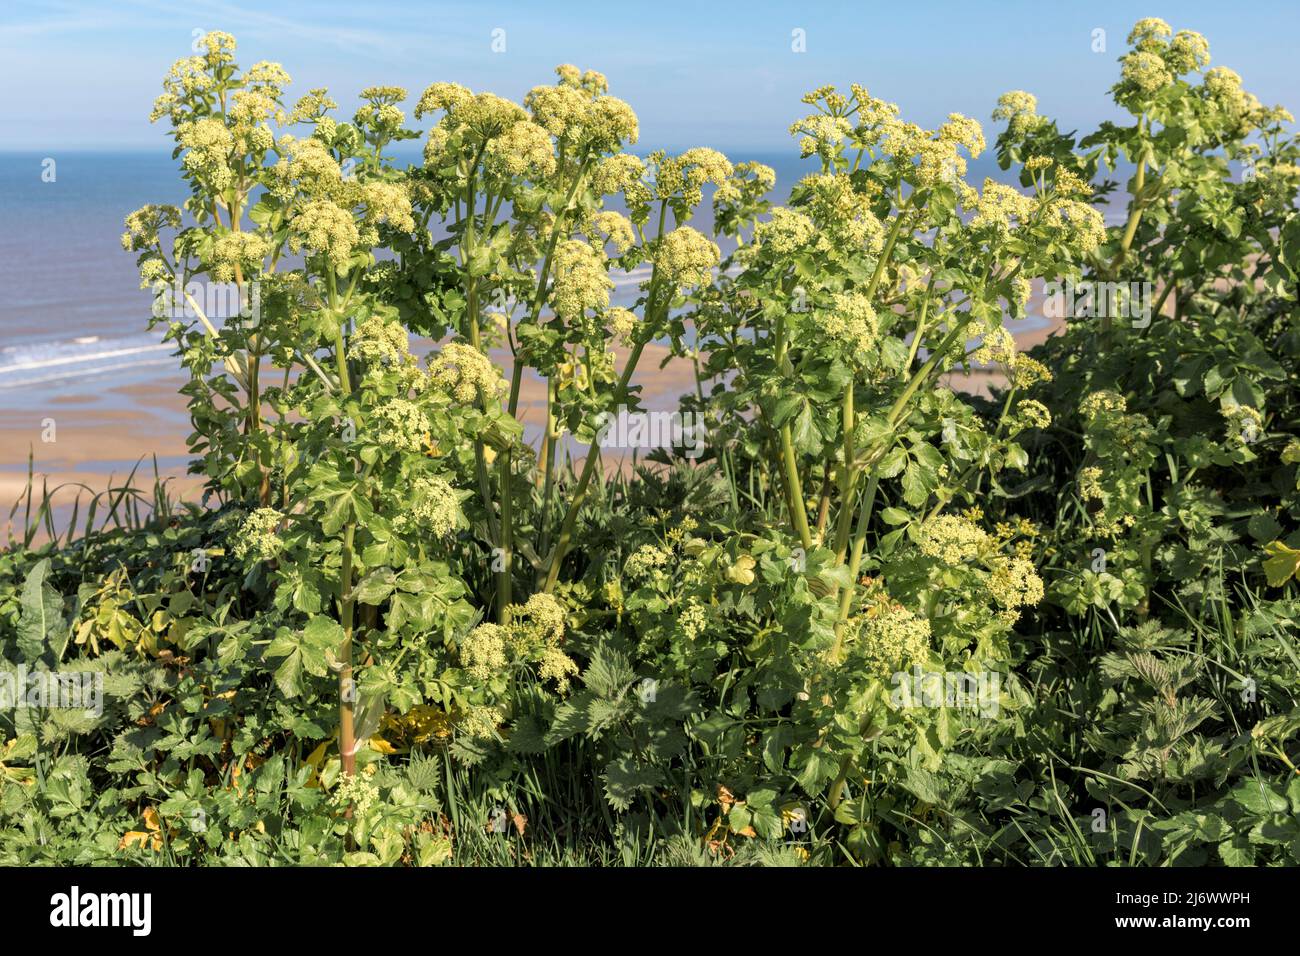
<point>150,837</point>
<point>380,745</point>
<point>1282,563</point>
<point>139,838</point>
<point>315,760</point>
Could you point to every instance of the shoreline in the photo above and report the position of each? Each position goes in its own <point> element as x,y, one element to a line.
<point>101,433</point>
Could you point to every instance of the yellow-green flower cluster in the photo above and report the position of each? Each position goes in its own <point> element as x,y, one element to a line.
<point>187,78</point>
<point>644,561</point>
<point>524,151</point>
<point>621,322</point>
<point>1002,208</point>
<point>312,107</point>
<point>852,321</point>
<point>401,425</point>
<point>386,202</point>
<point>1244,424</point>
<point>893,639</point>
<point>463,372</point>
<point>577,111</point>
<point>786,232</point>
<point>379,341</point>
<point>1033,414</point>
<point>208,145</point>
<point>686,258</point>
<point>581,280</point>
<point>380,110</point>
<point>623,173</point>
<point>1090,483</point>
<point>481,722</point>
<point>1079,225</point>
<point>1145,73</point>
<point>1156,60</point>
<point>685,175</point>
<point>1189,51</point>
<point>435,506</point>
<point>1103,402</point>
<point>610,226</point>
<point>842,214</point>
<point>237,253</point>
<point>1027,372</point>
<point>325,229</point>
<point>997,347</point>
<point>1015,583</point>
<point>821,134</point>
<point>143,226</point>
<point>265,74</point>
<point>258,536</point>
<point>355,792</point>
<point>952,539</point>
<point>591,81</point>
<point>693,620</point>
<point>545,616</point>
<point>1020,110</point>
<point>965,132</point>
<point>483,651</point>
<point>308,164</point>
<point>554,664</point>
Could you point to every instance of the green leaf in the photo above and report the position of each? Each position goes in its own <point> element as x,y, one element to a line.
<point>41,625</point>
<point>1237,852</point>
<point>1258,798</point>
<point>1281,564</point>
<point>624,780</point>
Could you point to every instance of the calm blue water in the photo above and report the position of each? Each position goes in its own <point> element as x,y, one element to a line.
<point>72,312</point>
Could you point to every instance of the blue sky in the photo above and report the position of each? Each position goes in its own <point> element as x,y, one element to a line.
<point>77,75</point>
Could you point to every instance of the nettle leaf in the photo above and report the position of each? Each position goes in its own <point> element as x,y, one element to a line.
<point>624,779</point>
<point>41,625</point>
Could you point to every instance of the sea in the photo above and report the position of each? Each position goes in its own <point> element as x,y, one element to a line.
<point>72,314</point>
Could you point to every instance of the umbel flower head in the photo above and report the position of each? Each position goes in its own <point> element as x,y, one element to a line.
<point>463,372</point>
<point>953,539</point>
<point>143,226</point>
<point>435,506</point>
<point>379,341</point>
<point>577,112</point>
<point>852,323</point>
<point>685,258</point>
<point>258,537</point>
<point>786,232</point>
<point>1014,583</point>
<point>401,425</point>
<point>1020,110</point>
<point>326,229</point>
<point>892,638</point>
<point>581,281</point>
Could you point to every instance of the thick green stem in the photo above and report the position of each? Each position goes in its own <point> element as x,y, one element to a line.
<point>588,469</point>
<point>789,465</point>
<point>347,690</point>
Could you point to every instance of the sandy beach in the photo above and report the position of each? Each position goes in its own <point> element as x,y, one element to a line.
<point>88,436</point>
